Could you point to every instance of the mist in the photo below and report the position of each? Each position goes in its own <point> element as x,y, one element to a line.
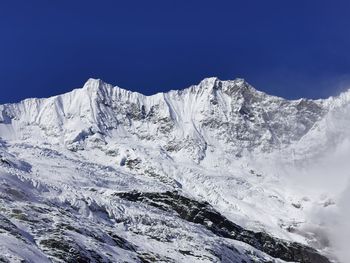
<point>332,213</point>
<point>327,180</point>
<point>340,228</point>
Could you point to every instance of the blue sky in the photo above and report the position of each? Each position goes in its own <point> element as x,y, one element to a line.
<point>287,48</point>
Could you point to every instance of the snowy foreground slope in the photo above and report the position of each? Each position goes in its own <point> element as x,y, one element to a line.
<point>217,172</point>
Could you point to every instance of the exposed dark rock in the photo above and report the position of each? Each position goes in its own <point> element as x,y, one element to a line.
<point>4,161</point>
<point>132,163</point>
<point>203,213</point>
<point>150,258</point>
<point>122,242</point>
<point>69,251</point>
<point>4,260</point>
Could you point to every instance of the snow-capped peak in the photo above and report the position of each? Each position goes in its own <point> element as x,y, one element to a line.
<point>93,83</point>
<point>208,82</point>
<point>225,85</point>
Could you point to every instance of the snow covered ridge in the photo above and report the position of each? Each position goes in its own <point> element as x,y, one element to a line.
<point>233,111</point>
<point>256,177</point>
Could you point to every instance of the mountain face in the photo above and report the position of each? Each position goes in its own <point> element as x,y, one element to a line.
<point>217,172</point>
<point>226,112</point>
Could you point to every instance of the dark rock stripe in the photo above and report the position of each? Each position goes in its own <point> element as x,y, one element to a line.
<point>203,213</point>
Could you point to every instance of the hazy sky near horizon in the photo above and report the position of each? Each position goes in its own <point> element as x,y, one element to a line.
<point>286,48</point>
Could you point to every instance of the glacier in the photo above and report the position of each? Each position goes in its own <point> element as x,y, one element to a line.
<point>217,172</point>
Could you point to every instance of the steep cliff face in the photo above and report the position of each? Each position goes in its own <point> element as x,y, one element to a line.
<point>68,158</point>
<point>194,120</point>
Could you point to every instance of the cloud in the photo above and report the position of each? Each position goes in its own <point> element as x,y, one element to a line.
<point>340,230</point>
<point>330,176</point>
<point>324,175</point>
<point>334,226</point>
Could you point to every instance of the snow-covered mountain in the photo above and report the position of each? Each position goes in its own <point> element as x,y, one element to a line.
<point>217,172</point>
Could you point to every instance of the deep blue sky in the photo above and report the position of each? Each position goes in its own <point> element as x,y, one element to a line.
<point>287,48</point>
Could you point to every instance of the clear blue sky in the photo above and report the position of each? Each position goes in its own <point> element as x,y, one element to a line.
<point>287,48</point>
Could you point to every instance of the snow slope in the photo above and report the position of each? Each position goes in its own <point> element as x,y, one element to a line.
<point>253,157</point>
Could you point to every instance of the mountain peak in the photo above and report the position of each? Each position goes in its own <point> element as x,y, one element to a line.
<point>225,85</point>
<point>93,83</point>
<point>210,81</point>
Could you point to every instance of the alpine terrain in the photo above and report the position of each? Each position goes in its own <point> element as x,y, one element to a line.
<point>217,172</point>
